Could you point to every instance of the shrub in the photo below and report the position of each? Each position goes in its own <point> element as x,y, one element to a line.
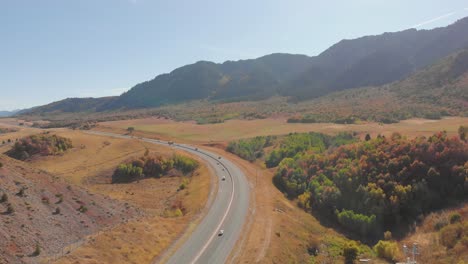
<point>57,211</point>
<point>1,165</point>
<point>39,145</point>
<point>126,173</point>
<point>388,235</point>
<point>185,164</point>
<point>82,209</point>
<point>10,209</point>
<point>387,250</point>
<point>37,250</point>
<point>150,166</point>
<point>350,252</point>
<point>4,198</point>
<point>455,218</point>
<point>21,192</point>
<point>450,235</point>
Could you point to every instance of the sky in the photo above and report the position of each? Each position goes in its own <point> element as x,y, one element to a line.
<point>55,49</point>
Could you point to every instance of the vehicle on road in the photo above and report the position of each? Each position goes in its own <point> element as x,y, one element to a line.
<point>224,178</point>
<point>221,232</point>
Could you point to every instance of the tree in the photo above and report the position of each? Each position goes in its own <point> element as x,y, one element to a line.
<point>350,252</point>
<point>37,250</point>
<point>130,129</point>
<point>462,132</point>
<point>387,250</point>
<point>10,209</point>
<point>368,137</point>
<point>4,198</point>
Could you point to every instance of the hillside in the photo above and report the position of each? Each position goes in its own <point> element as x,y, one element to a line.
<point>44,211</point>
<point>437,90</point>
<point>377,60</point>
<point>8,113</point>
<point>367,61</point>
<point>71,105</point>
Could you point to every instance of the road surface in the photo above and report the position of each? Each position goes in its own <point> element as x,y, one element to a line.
<point>227,212</point>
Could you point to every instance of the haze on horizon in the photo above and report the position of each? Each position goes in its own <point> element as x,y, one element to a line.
<point>55,49</point>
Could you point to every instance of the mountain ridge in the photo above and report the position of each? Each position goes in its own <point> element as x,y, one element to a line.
<point>366,61</point>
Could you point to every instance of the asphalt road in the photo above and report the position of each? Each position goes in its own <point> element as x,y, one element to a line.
<point>228,210</point>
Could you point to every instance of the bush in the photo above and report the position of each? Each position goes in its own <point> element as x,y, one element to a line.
<point>387,250</point>
<point>185,164</point>
<point>150,166</point>
<point>37,250</point>
<point>250,149</point>
<point>388,235</point>
<point>10,209</point>
<point>4,198</point>
<point>39,145</point>
<point>82,209</point>
<point>57,211</point>
<point>1,165</point>
<point>126,173</point>
<point>350,252</point>
<point>455,218</point>
<point>450,235</point>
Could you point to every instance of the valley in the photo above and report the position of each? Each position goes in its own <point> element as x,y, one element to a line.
<point>184,133</point>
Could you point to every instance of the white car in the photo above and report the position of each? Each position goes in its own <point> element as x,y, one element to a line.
<point>224,178</point>
<point>221,232</point>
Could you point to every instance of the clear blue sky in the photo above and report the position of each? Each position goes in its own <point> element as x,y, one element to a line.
<point>50,50</point>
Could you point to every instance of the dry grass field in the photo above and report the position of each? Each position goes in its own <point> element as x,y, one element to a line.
<point>90,165</point>
<point>235,129</point>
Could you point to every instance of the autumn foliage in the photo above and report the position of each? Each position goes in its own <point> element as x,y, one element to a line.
<point>381,184</point>
<point>43,144</point>
<point>152,166</point>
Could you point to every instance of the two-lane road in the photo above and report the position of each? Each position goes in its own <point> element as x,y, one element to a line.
<point>227,212</point>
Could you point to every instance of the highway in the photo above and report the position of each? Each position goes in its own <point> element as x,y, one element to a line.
<point>228,210</point>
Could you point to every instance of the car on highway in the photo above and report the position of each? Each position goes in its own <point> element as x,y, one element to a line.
<point>221,232</point>
<point>224,178</point>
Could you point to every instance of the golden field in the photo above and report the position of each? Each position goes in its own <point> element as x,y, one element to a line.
<point>235,129</point>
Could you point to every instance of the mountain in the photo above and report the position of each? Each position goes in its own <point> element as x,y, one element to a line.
<point>232,80</point>
<point>440,89</point>
<point>71,105</point>
<point>8,113</point>
<point>366,61</point>
<point>377,60</point>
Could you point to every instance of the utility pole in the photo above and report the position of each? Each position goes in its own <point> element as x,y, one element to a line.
<point>414,252</point>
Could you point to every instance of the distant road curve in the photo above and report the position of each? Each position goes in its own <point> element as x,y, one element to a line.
<point>227,212</point>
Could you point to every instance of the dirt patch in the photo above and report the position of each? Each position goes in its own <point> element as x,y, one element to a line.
<point>50,213</point>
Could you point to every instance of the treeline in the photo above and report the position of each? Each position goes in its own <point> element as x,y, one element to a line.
<point>286,146</point>
<point>250,149</point>
<point>43,144</point>
<point>381,184</point>
<point>4,130</point>
<point>297,143</point>
<point>150,166</point>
